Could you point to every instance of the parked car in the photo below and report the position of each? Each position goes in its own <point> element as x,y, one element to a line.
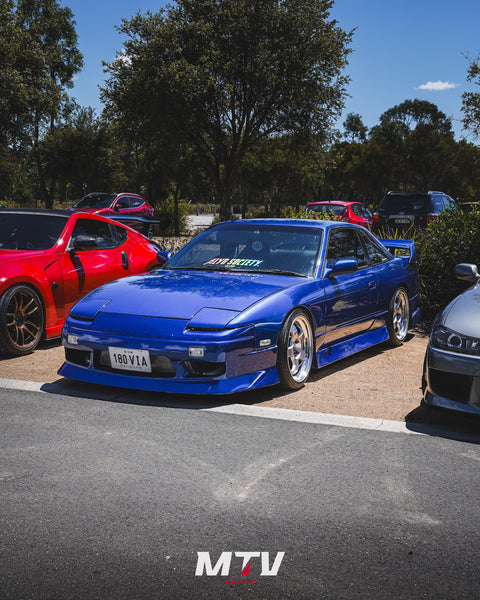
<point>352,212</point>
<point>51,258</point>
<point>245,304</point>
<point>131,209</point>
<point>402,210</point>
<point>101,203</point>
<point>451,377</point>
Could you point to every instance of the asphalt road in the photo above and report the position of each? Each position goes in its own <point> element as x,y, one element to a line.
<point>112,499</point>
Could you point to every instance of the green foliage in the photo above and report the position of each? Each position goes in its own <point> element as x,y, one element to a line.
<point>167,210</point>
<point>326,215</point>
<point>471,100</point>
<point>454,237</point>
<point>218,77</point>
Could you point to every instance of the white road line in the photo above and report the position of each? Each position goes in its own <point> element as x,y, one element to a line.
<point>284,414</point>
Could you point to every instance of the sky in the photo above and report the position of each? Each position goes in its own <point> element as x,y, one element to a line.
<point>401,50</point>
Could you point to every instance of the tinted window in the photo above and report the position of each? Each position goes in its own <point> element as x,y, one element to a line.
<point>376,253</point>
<point>30,231</point>
<point>408,203</point>
<point>342,244</point>
<point>121,234</point>
<point>361,211</point>
<point>95,201</point>
<point>97,229</point>
<point>438,203</point>
<point>135,202</point>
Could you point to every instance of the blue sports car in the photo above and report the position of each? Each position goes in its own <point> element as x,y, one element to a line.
<point>245,304</point>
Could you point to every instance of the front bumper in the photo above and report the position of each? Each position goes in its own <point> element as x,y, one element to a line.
<point>231,362</point>
<point>452,381</point>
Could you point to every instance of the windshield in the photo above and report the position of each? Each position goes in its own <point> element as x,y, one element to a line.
<point>95,201</point>
<point>252,248</point>
<point>333,209</point>
<point>409,203</point>
<point>30,231</point>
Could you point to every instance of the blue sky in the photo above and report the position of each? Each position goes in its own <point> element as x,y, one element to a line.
<point>401,50</point>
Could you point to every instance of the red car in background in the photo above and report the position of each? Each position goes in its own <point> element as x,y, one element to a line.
<point>352,212</point>
<point>51,258</point>
<point>102,203</point>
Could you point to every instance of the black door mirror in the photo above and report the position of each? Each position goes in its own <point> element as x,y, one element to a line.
<point>85,242</point>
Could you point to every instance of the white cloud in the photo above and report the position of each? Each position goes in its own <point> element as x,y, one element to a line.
<point>437,86</point>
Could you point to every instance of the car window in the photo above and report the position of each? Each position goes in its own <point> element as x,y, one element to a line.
<point>252,247</point>
<point>335,209</point>
<point>95,201</point>
<point>361,211</point>
<point>98,229</point>
<point>30,231</point>
<point>135,202</point>
<point>376,253</point>
<point>342,244</point>
<point>121,234</point>
<point>123,202</point>
<point>406,203</point>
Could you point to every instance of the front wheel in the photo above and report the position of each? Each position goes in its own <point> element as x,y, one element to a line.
<point>295,350</point>
<point>22,320</point>
<point>398,317</point>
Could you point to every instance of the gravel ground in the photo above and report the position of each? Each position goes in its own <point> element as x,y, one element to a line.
<point>380,382</point>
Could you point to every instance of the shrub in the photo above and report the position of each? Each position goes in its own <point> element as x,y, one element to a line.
<point>167,210</point>
<point>454,237</point>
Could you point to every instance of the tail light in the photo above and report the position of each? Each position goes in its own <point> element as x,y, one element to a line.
<point>431,217</point>
<point>376,218</point>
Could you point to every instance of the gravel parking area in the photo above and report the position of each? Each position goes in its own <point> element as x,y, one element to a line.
<point>381,382</point>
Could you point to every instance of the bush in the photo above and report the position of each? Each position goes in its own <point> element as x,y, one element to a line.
<point>166,210</point>
<point>454,237</point>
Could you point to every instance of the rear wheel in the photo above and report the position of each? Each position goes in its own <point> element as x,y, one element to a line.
<point>22,320</point>
<point>295,350</point>
<point>398,316</point>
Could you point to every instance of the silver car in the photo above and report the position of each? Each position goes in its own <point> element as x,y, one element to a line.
<point>451,376</point>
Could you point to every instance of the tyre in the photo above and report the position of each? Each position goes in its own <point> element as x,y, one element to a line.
<point>150,231</point>
<point>22,320</point>
<point>295,350</point>
<point>398,317</point>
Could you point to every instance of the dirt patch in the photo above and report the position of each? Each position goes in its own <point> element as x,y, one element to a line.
<point>381,382</point>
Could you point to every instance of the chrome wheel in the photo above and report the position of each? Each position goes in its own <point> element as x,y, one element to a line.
<point>22,320</point>
<point>399,316</point>
<point>295,350</point>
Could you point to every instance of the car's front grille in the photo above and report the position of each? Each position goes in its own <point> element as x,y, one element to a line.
<point>161,365</point>
<point>453,386</point>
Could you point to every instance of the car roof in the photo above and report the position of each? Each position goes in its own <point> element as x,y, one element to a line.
<point>40,211</point>
<point>338,202</point>
<point>315,223</point>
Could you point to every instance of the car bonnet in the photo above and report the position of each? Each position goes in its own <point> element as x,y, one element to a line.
<point>180,294</point>
<point>462,315</point>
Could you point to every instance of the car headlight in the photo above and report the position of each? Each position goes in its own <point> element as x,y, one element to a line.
<point>451,340</point>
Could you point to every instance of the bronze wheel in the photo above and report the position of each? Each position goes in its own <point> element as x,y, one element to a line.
<point>22,320</point>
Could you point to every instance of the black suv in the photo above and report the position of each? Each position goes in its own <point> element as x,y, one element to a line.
<point>401,210</point>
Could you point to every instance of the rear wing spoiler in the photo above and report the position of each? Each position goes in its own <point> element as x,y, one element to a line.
<point>402,248</point>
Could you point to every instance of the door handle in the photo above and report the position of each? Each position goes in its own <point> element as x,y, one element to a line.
<point>124,260</point>
<point>372,284</point>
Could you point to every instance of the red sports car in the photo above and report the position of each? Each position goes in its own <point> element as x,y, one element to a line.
<point>102,203</point>
<point>51,258</point>
<point>352,212</point>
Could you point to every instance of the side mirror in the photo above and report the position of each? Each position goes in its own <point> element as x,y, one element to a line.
<point>163,256</point>
<point>466,272</point>
<point>342,266</point>
<point>85,242</point>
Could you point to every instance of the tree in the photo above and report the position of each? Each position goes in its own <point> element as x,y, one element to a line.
<point>471,100</point>
<point>355,130</point>
<point>52,38</point>
<point>221,75</point>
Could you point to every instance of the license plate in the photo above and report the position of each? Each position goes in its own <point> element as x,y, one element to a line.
<point>402,221</point>
<point>130,360</point>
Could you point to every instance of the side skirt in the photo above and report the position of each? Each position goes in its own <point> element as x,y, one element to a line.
<point>345,348</point>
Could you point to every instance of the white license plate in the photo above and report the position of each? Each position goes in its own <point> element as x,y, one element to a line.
<point>130,360</point>
<point>402,221</point>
